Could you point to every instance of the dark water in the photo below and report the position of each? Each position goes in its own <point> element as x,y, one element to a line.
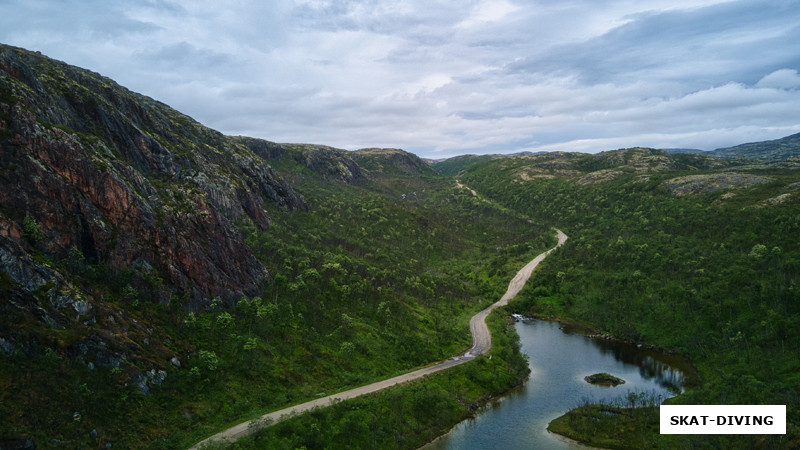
<point>558,362</point>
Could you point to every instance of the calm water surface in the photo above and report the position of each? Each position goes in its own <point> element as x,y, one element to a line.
<point>558,362</point>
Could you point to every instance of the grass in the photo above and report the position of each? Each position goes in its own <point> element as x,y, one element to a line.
<point>607,426</point>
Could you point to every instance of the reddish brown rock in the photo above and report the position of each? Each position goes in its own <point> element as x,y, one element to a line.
<point>131,183</point>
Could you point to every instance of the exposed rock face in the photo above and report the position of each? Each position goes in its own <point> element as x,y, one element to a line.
<point>706,184</point>
<point>390,159</point>
<point>109,193</point>
<point>786,148</point>
<point>331,163</point>
<point>129,182</point>
<point>638,159</point>
<point>600,176</point>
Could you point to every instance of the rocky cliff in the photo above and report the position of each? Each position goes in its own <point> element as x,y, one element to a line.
<point>390,160</point>
<point>126,182</point>
<point>109,199</point>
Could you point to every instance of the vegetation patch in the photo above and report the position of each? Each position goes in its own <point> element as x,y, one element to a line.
<point>407,416</point>
<point>604,379</point>
<point>713,282</point>
<point>607,426</point>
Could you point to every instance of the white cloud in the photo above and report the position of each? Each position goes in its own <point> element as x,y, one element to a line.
<point>486,12</point>
<point>781,79</point>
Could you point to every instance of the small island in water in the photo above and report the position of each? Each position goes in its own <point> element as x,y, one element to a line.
<point>604,379</point>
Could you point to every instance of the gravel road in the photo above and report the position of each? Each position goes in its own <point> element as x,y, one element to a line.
<point>481,343</point>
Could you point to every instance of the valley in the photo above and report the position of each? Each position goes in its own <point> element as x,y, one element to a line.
<point>161,282</point>
<point>481,344</point>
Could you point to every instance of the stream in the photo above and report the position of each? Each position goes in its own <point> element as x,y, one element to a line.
<point>559,360</point>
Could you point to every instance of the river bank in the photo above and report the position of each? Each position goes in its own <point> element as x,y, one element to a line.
<point>406,416</point>
<point>671,356</point>
<point>559,361</point>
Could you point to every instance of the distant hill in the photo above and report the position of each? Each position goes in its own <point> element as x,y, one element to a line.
<point>683,150</point>
<point>778,149</point>
<point>390,160</point>
<point>451,166</point>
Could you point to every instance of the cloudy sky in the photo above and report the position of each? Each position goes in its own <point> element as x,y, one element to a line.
<point>439,77</point>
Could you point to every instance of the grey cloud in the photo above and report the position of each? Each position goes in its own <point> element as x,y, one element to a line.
<point>381,17</point>
<point>183,54</point>
<point>781,79</point>
<point>430,76</point>
<point>93,19</point>
<point>710,45</point>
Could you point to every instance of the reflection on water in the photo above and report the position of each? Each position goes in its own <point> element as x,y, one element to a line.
<point>558,362</point>
<point>652,365</point>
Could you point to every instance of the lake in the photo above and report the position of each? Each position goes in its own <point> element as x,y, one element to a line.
<point>559,360</point>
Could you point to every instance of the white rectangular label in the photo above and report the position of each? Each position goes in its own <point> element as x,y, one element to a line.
<point>723,419</point>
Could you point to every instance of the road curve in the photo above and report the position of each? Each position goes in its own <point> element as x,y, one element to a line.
<point>481,343</point>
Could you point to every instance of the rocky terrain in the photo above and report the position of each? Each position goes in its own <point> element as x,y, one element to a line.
<point>127,182</point>
<point>107,189</point>
<point>708,183</point>
<point>111,198</point>
<point>785,148</point>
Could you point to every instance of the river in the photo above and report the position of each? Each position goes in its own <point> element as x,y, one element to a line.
<point>559,361</point>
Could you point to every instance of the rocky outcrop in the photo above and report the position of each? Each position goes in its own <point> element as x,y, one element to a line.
<point>129,183</point>
<point>709,183</point>
<point>38,289</point>
<point>110,200</point>
<point>389,160</point>
<point>600,177</point>
<point>778,200</point>
<point>330,163</point>
<point>101,333</point>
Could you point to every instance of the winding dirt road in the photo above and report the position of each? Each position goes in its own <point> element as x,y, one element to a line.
<point>481,343</point>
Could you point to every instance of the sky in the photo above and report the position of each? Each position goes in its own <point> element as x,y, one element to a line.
<point>442,78</point>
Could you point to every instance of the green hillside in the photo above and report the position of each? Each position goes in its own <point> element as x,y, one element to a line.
<point>676,253</point>
<point>779,149</point>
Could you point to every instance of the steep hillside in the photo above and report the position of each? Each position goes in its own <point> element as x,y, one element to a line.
<point>111,200</point>
<point>159,280</point>
<point>105,176</point>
